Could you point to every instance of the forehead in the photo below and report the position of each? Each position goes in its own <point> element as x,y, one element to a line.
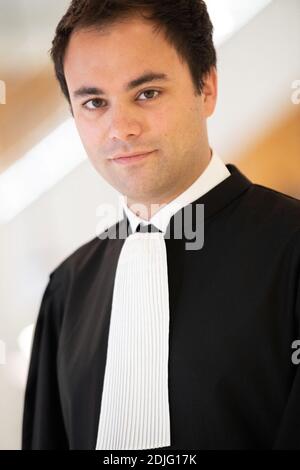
<point>119,51</point>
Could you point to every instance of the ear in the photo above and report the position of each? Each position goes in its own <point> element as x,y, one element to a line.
<point>210,92</point>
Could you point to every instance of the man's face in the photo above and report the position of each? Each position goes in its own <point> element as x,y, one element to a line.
<point>162,116</point>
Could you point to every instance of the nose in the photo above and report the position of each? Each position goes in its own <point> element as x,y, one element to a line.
<point>123,123</point>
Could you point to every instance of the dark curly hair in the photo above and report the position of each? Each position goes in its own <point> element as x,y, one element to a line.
<point>186,24</point>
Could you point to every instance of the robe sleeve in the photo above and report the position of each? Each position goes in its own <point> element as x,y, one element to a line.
<point>288,437</point>
<point>43,424</point>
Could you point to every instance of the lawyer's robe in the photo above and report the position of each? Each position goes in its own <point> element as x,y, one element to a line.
<point>234,314</point>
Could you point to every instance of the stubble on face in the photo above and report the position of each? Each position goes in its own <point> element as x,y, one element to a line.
<point>173,124</point>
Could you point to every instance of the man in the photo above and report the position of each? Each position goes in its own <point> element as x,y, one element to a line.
<point>143,341</point>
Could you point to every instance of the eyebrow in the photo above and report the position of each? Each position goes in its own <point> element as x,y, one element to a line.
<point>145,78</point>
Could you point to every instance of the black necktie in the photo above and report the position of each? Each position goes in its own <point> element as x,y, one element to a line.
<point>147,228</point>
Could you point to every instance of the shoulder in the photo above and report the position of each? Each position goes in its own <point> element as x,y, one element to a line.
<point>277,197</point>
<point>272,209</point>
<point>84,258</point>
<point>265,220</point>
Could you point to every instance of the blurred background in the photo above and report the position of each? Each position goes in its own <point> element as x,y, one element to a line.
<point>49,192</point>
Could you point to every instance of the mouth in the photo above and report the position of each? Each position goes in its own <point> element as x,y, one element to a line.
<point>132,159</point>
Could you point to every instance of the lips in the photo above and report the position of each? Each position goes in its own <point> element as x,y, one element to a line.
<point>130,155</point>
<point>133,158</point>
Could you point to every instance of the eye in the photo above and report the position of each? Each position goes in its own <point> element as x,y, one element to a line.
<point>92,104</point>
<point>95,103</point>
<point>149,91</point>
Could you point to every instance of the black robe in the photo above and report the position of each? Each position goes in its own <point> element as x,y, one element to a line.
<point>234,314</point>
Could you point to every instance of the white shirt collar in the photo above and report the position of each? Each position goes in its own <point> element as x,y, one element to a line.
<point>215,172</point>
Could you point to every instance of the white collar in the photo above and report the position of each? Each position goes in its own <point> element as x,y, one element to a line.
<point>215,172</point>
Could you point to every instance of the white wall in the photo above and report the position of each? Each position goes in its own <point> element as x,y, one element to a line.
<point>257,67</point>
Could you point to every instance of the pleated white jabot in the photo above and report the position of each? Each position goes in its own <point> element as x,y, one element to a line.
<point>134,410</point>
